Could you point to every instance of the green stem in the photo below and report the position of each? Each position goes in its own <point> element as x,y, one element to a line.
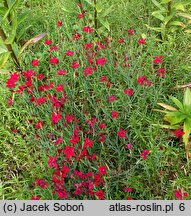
<point>95,16</point>
<point>9,47</point>
<point>6,5</point>
<point>169,9</point>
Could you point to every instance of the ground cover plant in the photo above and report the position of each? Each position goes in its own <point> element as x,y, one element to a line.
<point>78,115</point>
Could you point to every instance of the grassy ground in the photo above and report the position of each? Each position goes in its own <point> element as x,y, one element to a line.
<point>25,155</point>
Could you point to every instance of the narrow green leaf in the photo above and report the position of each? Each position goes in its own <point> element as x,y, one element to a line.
<point>21,18</point>
<point>179,6</point>
<point>187,130</point>
<point>89,2</point>
<point>158,15</point>
<point>3,48</point>
<point>158,5</point>
<point>187,97</point>
<point>167,19</point>
<point>4,58</point>
<point>163,111</point>
<point>99,7</point>
<point>3,11</point>
<point>175,117</point>
<point>168,126</point>
<point>157,29</point>
<point>10,39</point>
<point>188,31</point>
<point>106,12</point>
<point>177,102</point>
<point>177,23</point>
<point>185,15</point>
<point>14,4</point>
<point>105,23</point>
<point>21,32</point>
<point>167,107</point>
<point>66,10</point>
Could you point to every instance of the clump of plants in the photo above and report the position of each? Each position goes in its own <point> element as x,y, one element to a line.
<point>180,118</point>
<point>81,92</point>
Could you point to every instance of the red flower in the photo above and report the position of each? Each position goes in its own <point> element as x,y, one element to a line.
<point>121,40</point>
<point>14,130</point>
<point>180,194</point>
<point>129,146</point>
<point>76,36</point>
<point>101,137</point>
<point>101,61</point>
<point>158,59</point>
<point>81,15</point>
<point>65,170</point>
<point>144,154</point>
<point>100,194</point>
<point>48,42</point>
<point>10,84</point>
<point>11,81</point>
<point>129,92</point>
<point>74,139</point>
<point>39,124</point>
<point>142,41</point>
<point>161,72</point>
<point>52,162</point>
<point>69,53</point>
<point>88,143</point>
<point>112,98</point>
<point>128,189</point>
<point>60,87</point>
<point>69,118</point>
<point>142,80</point>
<point>75,64</point>
<point>179,133</point>
<point>131,31</point>
<point>59,23</point>
<point>34,62</point>
<point>62,72</point>
<point>55,117</point>
<point>101,125</point>
<point>88,71</point>
<point>88,29</point>
<point>79,5</point>
<point>102,170</point>
<point>122,133</point>
<point>15,76</point>
<point>91,121</point>
<point>88,46</point>
<point>40,100</point>
<point>54,60</point>
<point>10,101</point>
<point>58,141</point>
<point>41,183</point>
<point>28,74</point>
<point>114,114</point>
<point>103,79</point>
<point>40,76</point>
<point>68,151</point>
<point>62,194</point>
<point>35,198</point>
<point>53,48</point>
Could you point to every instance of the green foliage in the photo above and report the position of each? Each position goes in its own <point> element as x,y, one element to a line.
<point>10,32</point>
<point>179,117</point>
<point>172,16</point>
<point>96,14</point>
